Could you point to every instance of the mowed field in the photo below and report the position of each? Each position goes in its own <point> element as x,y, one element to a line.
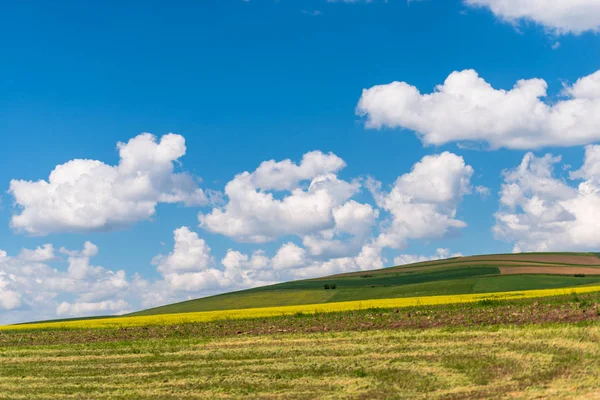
<point>526,348</point>
<point>463,275</point>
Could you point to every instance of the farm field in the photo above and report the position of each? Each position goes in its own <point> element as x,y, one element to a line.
<point>525,348</point>
<point>462,275</point>
<point>265,312</point>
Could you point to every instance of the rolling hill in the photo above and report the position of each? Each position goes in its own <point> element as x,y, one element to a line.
<point>461,275</point>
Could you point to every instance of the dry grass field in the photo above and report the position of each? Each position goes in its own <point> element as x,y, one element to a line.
<point>531,361</point>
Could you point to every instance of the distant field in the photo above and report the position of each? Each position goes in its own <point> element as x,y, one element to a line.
<point>446,277</point>
<point>266,312</point>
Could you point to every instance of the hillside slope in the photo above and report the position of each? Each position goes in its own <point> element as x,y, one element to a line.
<point>462,275</point>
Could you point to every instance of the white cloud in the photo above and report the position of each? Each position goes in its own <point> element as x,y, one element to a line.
<point>559,16</point>
<point>440,254</point>
<point>190,253</point>
<point>9,299</point>
<point>31,289</point>
<point>423,202</point>
<point>86,195</point>
<point>368,258</point>
<point>253,213</point>
<point>107,306</point>
<point>541,212</point>
<point>39,254</point>
<point>286,175</point>
<point>467,108</point>
<point>190,268</point>
<point>353,223</point>
<point>240,271</point>
<point>355,218</point>
<point>288,256</point>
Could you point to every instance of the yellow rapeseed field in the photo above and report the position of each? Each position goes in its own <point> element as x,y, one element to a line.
<point>206,316</point>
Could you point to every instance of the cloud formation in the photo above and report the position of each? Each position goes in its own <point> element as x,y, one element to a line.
<point>31,288</point>
<point>422,203</point>
<point>542,212</point>
<point>322,230</point>
<point>88,195</point>
<point>272,201</point>
<point>559,16</point>
<point>467,108</point>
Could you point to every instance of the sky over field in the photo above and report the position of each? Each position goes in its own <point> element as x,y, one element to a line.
<point>156,151</point>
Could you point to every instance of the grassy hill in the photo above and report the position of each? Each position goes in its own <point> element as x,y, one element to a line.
<point>461,275</point>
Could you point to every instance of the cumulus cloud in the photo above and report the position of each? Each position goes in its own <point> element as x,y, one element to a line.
<point>289,256</point>
<point>422,203</point>
<point>542,212</point>
<point>239,271</point>
<point>353,223</point>
<point>467,108</point>
<point>559,16</point>
<point>440,254</point>
<point>30,288</point>
<point>270,202</point>
<point>190,267</point>
<point>39,254</point>
<point>190,253</point>
<point>86,195</point>
<point>368,258</point>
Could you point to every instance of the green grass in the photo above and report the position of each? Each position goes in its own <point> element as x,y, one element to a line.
<point>442,281</point>
<point>528,282</point>
<point>312,291</point>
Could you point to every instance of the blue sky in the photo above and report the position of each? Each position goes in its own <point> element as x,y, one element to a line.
<point>244,82</point>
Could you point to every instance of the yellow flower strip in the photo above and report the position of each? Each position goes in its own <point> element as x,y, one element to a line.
<point>206,316</point>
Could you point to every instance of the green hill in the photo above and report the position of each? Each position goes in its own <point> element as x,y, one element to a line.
<point>474,274</point>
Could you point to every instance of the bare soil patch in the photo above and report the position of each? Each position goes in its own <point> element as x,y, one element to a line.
<point>551,258</point>
<point>503,259</point>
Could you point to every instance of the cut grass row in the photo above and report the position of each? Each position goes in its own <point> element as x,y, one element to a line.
<point>532,361</point>
<point>174,319</point>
